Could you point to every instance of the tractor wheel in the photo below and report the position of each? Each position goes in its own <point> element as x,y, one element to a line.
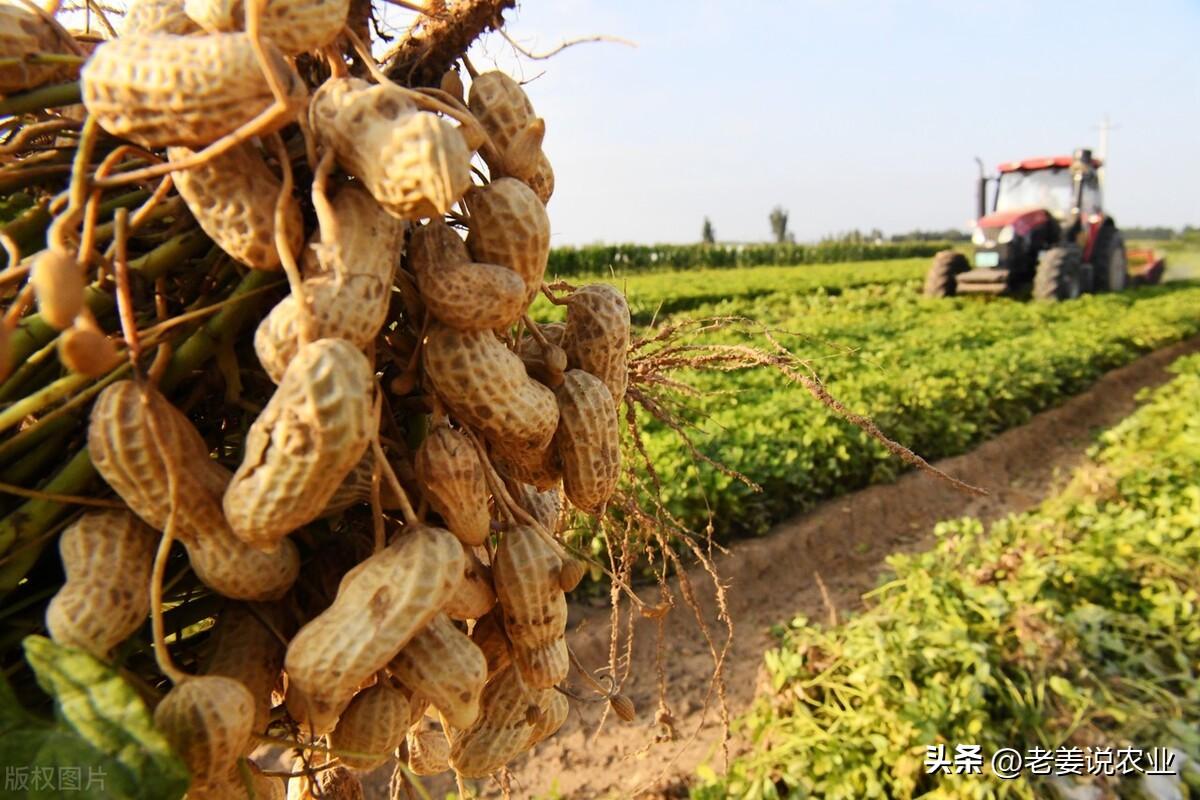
<point>942,278</point>
<point>1109,260</point>
<point>1058,274</point>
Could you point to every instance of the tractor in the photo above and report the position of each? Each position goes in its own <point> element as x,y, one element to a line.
<point>1046,234</point>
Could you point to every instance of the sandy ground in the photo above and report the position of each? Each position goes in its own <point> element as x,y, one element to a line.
<point>817,564</point>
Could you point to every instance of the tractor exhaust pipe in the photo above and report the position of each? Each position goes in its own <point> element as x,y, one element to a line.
<point>981,199</point>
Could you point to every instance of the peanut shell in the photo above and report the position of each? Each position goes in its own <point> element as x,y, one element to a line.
<point>296,26</point>
<point>444,666</point>
<point>428,752</point>
<point>23,33</point>
<point>416,164</point>
<point>309,436</point>
<point>503,730</point>
<point>371,727</point>
<point>138,440</point>
<point>233,199</point>
<point>526,575</point>
<point>596,336</point>
<point>107,557</point>
<point>347,283</point>
<point>156,16</point>
<point>588,441</point>
<point>451,478</point>
<point>485,385</point>
<point>209,722</point>
<point>509,227</point>
<point>380,605</point>
<point>475,595</point>
<point>159,89</point>
<point>246,650</point>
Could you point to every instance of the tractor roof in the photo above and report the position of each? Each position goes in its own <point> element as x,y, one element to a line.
<point>1046,162</point>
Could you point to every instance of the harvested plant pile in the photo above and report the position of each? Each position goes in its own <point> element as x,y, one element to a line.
<point>1072,626</point>
<point>260,388</point>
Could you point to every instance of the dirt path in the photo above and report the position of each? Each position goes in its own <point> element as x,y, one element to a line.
<point>843,543</point>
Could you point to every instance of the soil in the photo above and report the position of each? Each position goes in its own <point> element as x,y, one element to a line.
<point>818,564</point>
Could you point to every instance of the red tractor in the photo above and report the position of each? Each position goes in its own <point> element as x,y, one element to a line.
<point>1046,234</point>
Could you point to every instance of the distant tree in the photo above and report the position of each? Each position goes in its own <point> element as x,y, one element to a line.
<point>707,234</point>
<point>779,221</point>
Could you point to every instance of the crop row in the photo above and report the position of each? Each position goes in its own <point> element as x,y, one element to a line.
<point>627,259</point>
<point>654,294</point>
<point>937,376</point>
<point>1063,629</point>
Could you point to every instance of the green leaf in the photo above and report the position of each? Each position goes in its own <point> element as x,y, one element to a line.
<point>104,743</point>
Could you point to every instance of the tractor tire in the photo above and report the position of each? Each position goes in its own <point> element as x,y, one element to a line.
<point>942,278</point>
<point>1058,274</point>
<point>1111,265</point>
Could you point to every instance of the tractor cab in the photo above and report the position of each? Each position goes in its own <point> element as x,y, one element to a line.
<point>1043,232</point>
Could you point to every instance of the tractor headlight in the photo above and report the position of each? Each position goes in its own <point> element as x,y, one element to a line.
<point>979,238</point>
<point>1006,235</point>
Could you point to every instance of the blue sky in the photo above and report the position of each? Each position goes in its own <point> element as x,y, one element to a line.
<point>849,113</point>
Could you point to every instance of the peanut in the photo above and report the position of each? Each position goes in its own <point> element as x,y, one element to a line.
<point>107,557</point>
<point>209,722</point>
<point>312,432</point>
<point>485,385</point>
<point>416,164</point>
<point>554,710</point>
<point>160,89</point>
<point>444,666</point>
<point>380,605</point>
<point>588,441</point>
<point>464,295</point>
<point>23,33</point>
<point>475,596</point>
<point>296,26</point>
<point>488,635</point>
<point>87,351</point>
<point>138,441</point>
<point>504,110</point>
<point>58,285</point>
<point>355,488</point>
<point>502,731</point>
<point>335,783</point>
<point>572,573</point>
<point>542,179</point>
<point>428,752</point>
<point>235,787</point>
<point>245,649</point>
<point>233,197</point>
<point>545,506</point>
<point>156,16</point>
<point>509,227</point>
<point>539,468</point>
<point>347,283</point>
<point>371,727</point>
<point>596,337</point>
<point>451,478</point>
<point>548,362</point>
<point>526,574</point>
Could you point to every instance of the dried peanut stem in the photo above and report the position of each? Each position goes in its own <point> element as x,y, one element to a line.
<point>327,220</point>
<point>286,259</point>
<point>410,516</point>
<point>162,655</point>
<point>124,293</point>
